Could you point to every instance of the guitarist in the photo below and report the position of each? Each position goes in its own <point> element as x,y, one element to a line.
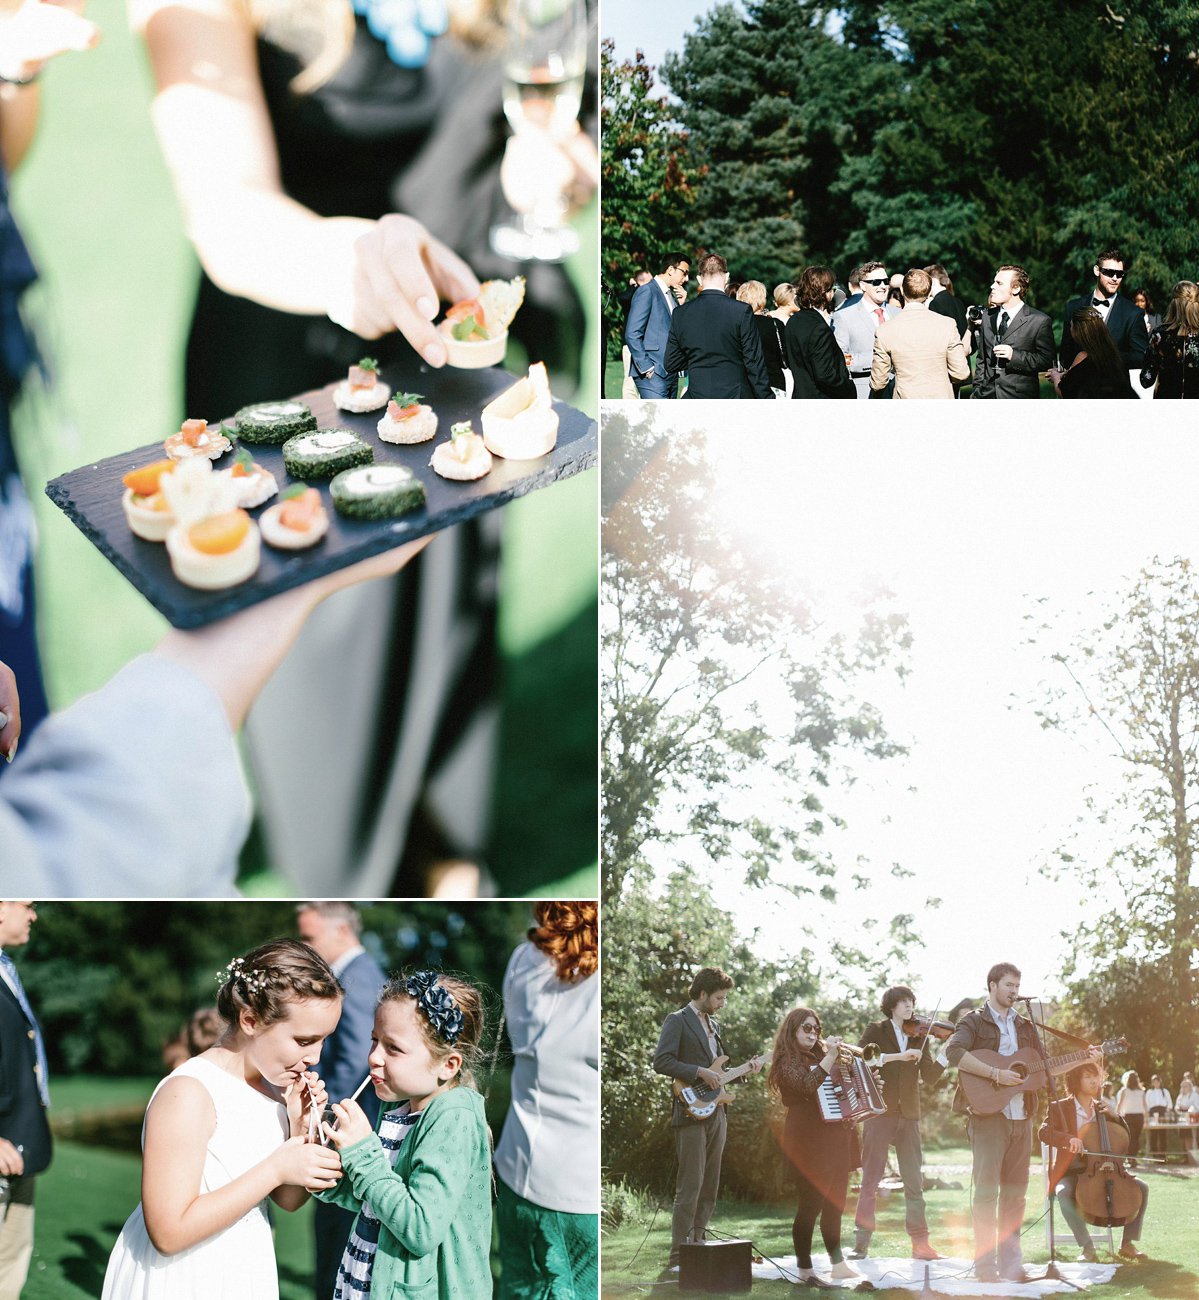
<point>902,1067</point>
<point>689,1043</point>
<point>1002,1143</point>
<point>1060,1130</point>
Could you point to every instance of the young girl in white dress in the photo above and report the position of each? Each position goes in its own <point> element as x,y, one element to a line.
<point>229,1128</point>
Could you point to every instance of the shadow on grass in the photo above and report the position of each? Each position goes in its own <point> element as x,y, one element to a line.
<point>1161,1278</point>
<point>86,1270</point>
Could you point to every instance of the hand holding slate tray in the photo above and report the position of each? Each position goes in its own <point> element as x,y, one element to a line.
<point>91,495</point>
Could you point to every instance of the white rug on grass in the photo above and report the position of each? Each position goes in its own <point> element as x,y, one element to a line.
<point>945,1276</point>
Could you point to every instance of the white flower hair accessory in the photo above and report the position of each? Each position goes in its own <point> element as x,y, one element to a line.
<point>254,980</point>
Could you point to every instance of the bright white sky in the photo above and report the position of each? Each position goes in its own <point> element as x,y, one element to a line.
<point>963,526</point>
<point>652,28</point>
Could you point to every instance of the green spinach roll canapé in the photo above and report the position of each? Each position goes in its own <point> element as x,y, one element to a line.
<point>377,492</point>
<point>325,453</point>
<point>273,422</point>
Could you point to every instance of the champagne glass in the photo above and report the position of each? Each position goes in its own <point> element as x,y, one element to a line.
<point>545,61</point>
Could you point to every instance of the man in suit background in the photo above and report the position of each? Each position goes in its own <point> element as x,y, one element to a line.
<point>332,931</point>
<point>714,339</point>
<point>856,322</point>
<point>1014,341</point>
<point>24,1132</point>
<point>648,327</point>
<point>924,350</point>
<point>687,1046</point>
<point>903,1065</point>
<point>1125,323</point>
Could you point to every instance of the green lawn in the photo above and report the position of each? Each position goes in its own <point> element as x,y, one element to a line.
<point>118,277</point>
<point>632,1259</point>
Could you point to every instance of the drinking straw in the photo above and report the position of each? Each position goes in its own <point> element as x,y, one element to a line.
<point>360,1087</point>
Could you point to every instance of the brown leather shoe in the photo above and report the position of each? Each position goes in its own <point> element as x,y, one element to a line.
<point>922,1250</point>
<point>1129,1251</point>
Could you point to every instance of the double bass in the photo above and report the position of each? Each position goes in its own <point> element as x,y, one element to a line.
<point>1107,1195</point>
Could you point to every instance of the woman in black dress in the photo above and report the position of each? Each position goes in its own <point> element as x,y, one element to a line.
<point>1172,360</point>
<point>1098,370</point>
<point>770,332</point>
<point>822,1153</point>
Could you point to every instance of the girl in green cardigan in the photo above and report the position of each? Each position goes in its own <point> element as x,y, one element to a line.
<point>422,1183</point>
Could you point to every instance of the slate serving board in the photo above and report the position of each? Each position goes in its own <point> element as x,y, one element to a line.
<point>91,495</point>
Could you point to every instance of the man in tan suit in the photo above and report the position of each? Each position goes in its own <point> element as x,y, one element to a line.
<point>924,348</point>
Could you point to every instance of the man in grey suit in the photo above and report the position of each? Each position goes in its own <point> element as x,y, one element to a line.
<point>648,328</point>
<point>1014,341</point>
<point>332,931</point>
<point>687,1046</point>
<point>856,322</point>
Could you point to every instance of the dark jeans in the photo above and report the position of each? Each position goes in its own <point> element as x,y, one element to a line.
<point>1002,1149</point>
<point>878,1134</point>
<point>661,384</point>
<point>699,1146</point>
<point>1081,1231</point>
<point>1135,1124</point>
<point>813,1205</point>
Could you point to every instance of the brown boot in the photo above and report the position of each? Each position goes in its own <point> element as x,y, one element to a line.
<point>922,1250</point>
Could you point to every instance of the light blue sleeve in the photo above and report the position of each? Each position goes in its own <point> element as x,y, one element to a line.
<point>134,791</point>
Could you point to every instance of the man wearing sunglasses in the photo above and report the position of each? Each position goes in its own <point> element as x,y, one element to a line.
<point>648,328</point>
<point>855,325</point>
<point>1124,322</point>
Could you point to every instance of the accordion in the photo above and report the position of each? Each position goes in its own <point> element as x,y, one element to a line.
<point>850,1093</point>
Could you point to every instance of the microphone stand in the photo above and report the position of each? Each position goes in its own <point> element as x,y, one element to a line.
<point>1052,1271</point>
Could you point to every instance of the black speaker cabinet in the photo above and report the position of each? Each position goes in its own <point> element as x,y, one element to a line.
<point>715,1266</point>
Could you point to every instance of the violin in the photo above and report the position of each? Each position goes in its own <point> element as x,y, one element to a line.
<point>1107,1195</point>
<point>922,1027</point>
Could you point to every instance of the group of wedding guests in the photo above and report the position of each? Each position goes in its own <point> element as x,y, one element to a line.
<point>902,335</point>
<point>1139,1106</point>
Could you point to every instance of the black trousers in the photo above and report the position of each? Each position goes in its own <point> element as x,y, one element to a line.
<point>814,1205</point>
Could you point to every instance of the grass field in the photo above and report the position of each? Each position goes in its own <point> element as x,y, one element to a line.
<point>112,308</point>
<point>633,1257</point>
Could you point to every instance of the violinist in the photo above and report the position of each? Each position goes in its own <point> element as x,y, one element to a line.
<point>1065,1121</point>
<point>904,1062</point>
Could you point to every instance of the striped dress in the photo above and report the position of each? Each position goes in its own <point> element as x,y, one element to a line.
<point>354,1275</point>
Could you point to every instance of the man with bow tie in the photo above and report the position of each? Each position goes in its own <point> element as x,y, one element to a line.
<point>1124,320</point>
<point>1014,341</point>
<point>24,1098</point>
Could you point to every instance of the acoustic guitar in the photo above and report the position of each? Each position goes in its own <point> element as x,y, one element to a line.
<point>700,1099</point>
<point>985,1097</point>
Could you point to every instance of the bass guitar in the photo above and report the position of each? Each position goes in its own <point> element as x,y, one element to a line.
<point>985,1097</point>
<point>700,1099</point>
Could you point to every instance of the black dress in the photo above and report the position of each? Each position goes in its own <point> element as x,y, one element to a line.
<point>1172,363</point>
<point>404,684</point>
<point>768,332</point>
<point>1085,380</point>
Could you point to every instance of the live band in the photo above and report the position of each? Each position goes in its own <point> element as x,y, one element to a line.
<point>829,1086</point>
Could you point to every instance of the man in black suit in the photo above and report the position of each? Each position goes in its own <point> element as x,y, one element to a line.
<point>1125,323</point>
<point>24,1133</point>
<point>904,1064</point>
<point>714,339</point>
<point>332,931</point>
<point>687,1046</point>
<point>1014,341</point>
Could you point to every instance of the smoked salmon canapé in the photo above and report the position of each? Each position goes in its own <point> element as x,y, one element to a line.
<point>521,424</point>
<point>463,457</point>
<point>146,508</point>
<point>406,420</point>
<point>295,522</point>
<point>255,483</point>
<point>362,389</point>
<point>475,332</point>
<point>197,438</point>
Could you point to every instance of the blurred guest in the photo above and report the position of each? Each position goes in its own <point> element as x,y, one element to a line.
<point>30,35</point>
<point>1014,341</point>
<point>1097,369</point>
<point>25,1142</point>
<point>784,302</point>
<point>853,282</point>
<point>1142,301</point>
<point>1159,1104</point>
<point>924,351</point>
<point>1172,359</point>
<point>628,387</point>
<point>547,1160</point>
<point>895,295</point>
<point>855,324</point>
<point>813,354</point>
<point>1185,1104</point>
<point>714,339</point>
<point>1132,1108</point>
<point>769,330</point>
<point>198,1035</point>
<point>731,289</point>
<point>333,931</point>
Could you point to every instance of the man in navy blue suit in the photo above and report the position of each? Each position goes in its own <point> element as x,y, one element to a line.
<point>24,1132</point>
<point>1125,321</point>
<point>332,930</point>
<point>648,328</point>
